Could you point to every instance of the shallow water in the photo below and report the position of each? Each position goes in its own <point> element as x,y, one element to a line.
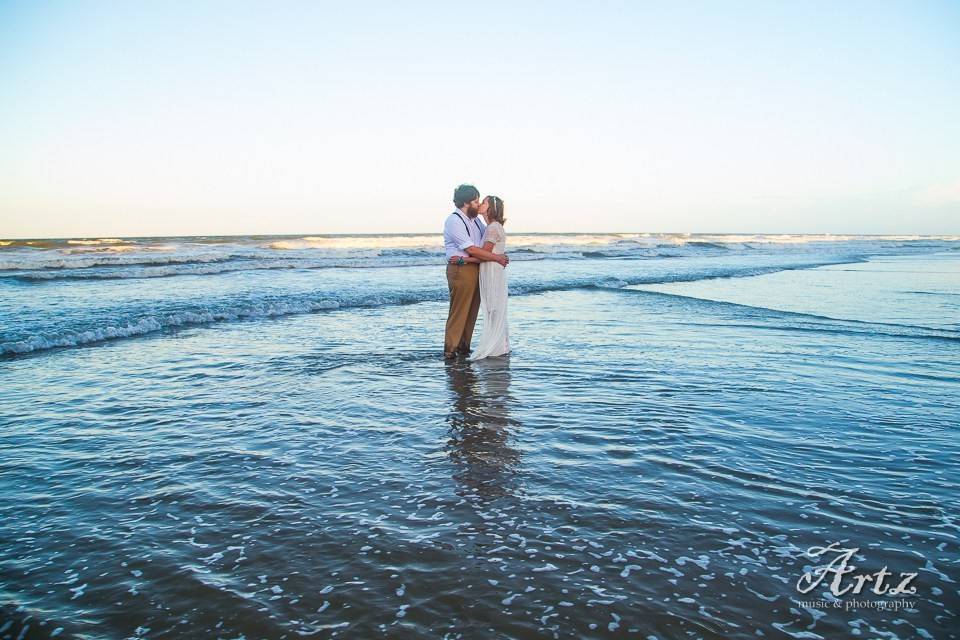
<point>647,462</point>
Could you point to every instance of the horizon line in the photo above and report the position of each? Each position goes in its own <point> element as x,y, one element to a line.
<point>440,233</point>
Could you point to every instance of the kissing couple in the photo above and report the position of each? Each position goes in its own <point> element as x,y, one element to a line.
<point>475,275</point>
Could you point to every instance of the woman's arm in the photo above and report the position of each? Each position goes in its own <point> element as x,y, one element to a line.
<point>490,244</point>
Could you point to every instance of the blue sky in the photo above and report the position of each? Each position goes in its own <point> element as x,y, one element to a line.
<point>184,118</point>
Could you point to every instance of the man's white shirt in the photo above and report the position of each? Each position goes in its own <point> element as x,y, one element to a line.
<point>460,232</point>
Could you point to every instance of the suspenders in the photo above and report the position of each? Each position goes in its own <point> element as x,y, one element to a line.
<point>468,228</point>
<point>465,226</point>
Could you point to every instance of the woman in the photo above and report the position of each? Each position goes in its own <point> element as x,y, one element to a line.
<point>495,340</point>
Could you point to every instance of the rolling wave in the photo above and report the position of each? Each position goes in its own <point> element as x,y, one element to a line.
<point>159,322</point>
<point>242,307</point>
<point>228,265</point>
<point>131,257</point>
<point>602,254</point>
<point>712,245</point>
<point>205,269</point>
<point>815,322</point>
<point>86,261</point>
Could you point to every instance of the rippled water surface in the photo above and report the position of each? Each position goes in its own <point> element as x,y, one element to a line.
<point>282,453</point>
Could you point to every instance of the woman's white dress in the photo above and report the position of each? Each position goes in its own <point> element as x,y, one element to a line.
<point>495,340</point>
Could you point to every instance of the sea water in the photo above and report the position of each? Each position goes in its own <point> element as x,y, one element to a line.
<point>258,437</point>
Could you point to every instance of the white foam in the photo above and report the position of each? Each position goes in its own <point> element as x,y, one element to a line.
<point>358,242</point>
<point>97,241</point>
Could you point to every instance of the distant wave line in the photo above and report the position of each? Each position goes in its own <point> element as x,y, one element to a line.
<point>31,267</point>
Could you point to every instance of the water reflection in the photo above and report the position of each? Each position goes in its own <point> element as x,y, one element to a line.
<point>481,431</point>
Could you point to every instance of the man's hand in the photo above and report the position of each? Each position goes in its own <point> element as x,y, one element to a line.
<point>503,260</point>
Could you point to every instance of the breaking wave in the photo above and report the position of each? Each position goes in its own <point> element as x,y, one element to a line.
<point>147,320</point>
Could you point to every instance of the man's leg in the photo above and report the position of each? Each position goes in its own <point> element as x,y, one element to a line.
<point>461,297</point>
<point>472,312</point>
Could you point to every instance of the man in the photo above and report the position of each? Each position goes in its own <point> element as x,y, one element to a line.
<point>463,238</point>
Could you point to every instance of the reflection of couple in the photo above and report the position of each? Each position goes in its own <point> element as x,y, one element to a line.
<point>485,460</point>
<point>475,274</point>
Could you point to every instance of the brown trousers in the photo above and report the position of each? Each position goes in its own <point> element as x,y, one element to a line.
<point>463,282</point>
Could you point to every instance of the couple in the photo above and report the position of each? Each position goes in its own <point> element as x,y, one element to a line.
<point>475,274</point>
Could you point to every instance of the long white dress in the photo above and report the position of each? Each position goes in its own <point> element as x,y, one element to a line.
<point>495,340</point>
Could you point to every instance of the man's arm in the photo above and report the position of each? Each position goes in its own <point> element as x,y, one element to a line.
<point>486,256</point>
<point>488,247</point>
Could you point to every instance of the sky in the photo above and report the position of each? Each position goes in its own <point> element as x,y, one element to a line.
<point>222,118</point>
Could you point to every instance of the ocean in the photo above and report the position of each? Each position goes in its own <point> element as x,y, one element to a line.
<point>257,437</point>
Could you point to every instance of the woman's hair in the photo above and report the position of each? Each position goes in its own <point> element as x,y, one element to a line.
<point>495,209</point>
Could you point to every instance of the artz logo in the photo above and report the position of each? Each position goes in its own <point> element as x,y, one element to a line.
<point>844,578</point>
